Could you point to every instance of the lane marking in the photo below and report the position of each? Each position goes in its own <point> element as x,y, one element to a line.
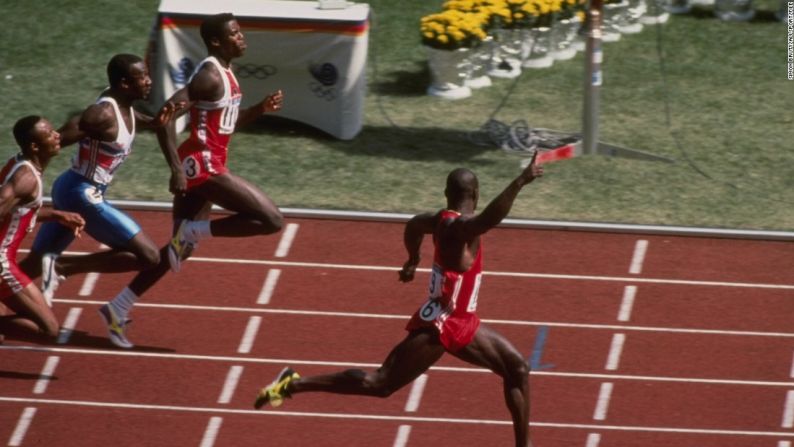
<point>627,304</point>
<point>67,328</point>
<point>615,350</point>
<point>602,406</point>
<point>593,439</point>
<point>274,361</point>
<point>250,334</point>
<point>46,374</point>
<point>89,283</point>
<point>403,432</point>
<point>211,433</point>
<point>286,240</point>
<point>230,384</point>
<point>406,419</point>
<point>22,427</point>
<point>792,368</point>
<point>269,286</point>
<point>537,350</point>
<point>639,257</point>
<point>788,411</point>
<point>415,396</point>
<point>403,317</point>
<point>684,282</point>
<point>784,444</point>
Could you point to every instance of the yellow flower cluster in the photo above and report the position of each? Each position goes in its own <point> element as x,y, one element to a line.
<point>464,23</point>
<point>453,29</point>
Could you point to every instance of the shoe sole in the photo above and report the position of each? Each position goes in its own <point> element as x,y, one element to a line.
<point>263,397</point>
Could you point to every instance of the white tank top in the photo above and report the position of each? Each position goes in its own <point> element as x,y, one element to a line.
<point>98,160</point>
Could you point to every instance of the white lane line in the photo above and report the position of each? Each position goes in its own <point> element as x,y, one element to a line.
<point>784,444</point>
<point>22,427</point>
<point>593,439</point>
<point>277,361</point>
<point>46,374</point>
<point>250,334</point>
<point>683,282</point>
<point>230,384</point>
<point>788,411</point>
<point>403,432</point>
<point>269,286</point>
<point>402,317</point>
<point>627,304</point>
<point>286,240</point>
<point>67,328</point>
<point>415,396</point>
<point>792,368</point>
<point>211,433</point>
<point>88,284</point>
<point>639,257</point>
<point>613,360</point>
<point>404,419</point>
<point>603,401</point>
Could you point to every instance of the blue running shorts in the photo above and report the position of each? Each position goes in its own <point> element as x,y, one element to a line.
<point>73,192</point>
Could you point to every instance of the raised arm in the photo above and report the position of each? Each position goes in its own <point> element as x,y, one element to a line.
<point>271,103</point>
<point>500,206</point>
<point>415,231</point>
<point>164,126</point>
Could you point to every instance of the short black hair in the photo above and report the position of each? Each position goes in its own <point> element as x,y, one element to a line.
<point>24,131</point>
<point>213,26</point>
<point>461,183</point>
<point>119,67</point>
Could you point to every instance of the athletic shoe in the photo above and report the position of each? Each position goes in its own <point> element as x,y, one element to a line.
<point>117,329</point>
<point>275,393</point>
<point>50,279</point>
<point>177,248</point>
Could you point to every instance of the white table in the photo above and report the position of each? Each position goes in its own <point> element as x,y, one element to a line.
<point>317,57</point>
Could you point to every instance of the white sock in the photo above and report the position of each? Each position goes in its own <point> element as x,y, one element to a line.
<point>196,230</point>
<point>123,302</point>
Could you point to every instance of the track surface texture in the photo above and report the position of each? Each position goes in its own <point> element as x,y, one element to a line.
<point>634,340</point>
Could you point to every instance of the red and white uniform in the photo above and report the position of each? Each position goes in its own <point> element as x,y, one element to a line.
<point>98,160</point>
<point>452,300</point>
<point>13,228</point>
<point>212,123</point>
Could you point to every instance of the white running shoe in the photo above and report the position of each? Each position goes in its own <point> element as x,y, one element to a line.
<point>117,329</point>
<point>50,279</point>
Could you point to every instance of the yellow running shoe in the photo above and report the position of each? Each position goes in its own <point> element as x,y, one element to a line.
<point>275,393</point>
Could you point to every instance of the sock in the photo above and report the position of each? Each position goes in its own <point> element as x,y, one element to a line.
<point>123,302</point>
<point>196,230</point>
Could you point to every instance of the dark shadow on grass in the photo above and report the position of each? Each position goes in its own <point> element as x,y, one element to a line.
<point>707,13</point>
<point>402,83</point>
<point>389,142</point>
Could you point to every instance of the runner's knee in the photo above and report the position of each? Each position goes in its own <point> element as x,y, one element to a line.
<point>149,257</point>
<point>50,327</point>
<point>517,369</point>
<point>378,386</point>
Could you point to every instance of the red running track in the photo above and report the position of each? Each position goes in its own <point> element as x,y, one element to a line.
<point>693,347</point>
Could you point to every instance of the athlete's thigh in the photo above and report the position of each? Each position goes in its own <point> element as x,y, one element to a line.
<point>489,349</point>
<point>109,225</point>
<point>29,303</point>
<point>235,193</point>
<point>411,357</point>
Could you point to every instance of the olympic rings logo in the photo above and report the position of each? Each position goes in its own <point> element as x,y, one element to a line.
<point>255,71</point>
<point>323,92</point>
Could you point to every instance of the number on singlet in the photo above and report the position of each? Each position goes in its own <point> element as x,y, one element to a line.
<point>430,310</point>
<point>190,167</point>
<point>436,280</point>
<point>474,293</point>
<point>229,117</point>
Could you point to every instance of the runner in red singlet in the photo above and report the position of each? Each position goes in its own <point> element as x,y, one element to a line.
<point>20,201</point>
<point>446,322</point>
<point>200,177</point>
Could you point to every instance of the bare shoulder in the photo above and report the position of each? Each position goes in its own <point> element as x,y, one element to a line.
<point>206,84</point>
<point>24,183</point>
<point>98,118</point>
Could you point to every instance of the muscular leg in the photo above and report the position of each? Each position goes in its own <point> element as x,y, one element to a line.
<point>491,350</point>
<point>255,211</point>
<point>410,358</point>
<point>140,253</point>
<point>32,315</point>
